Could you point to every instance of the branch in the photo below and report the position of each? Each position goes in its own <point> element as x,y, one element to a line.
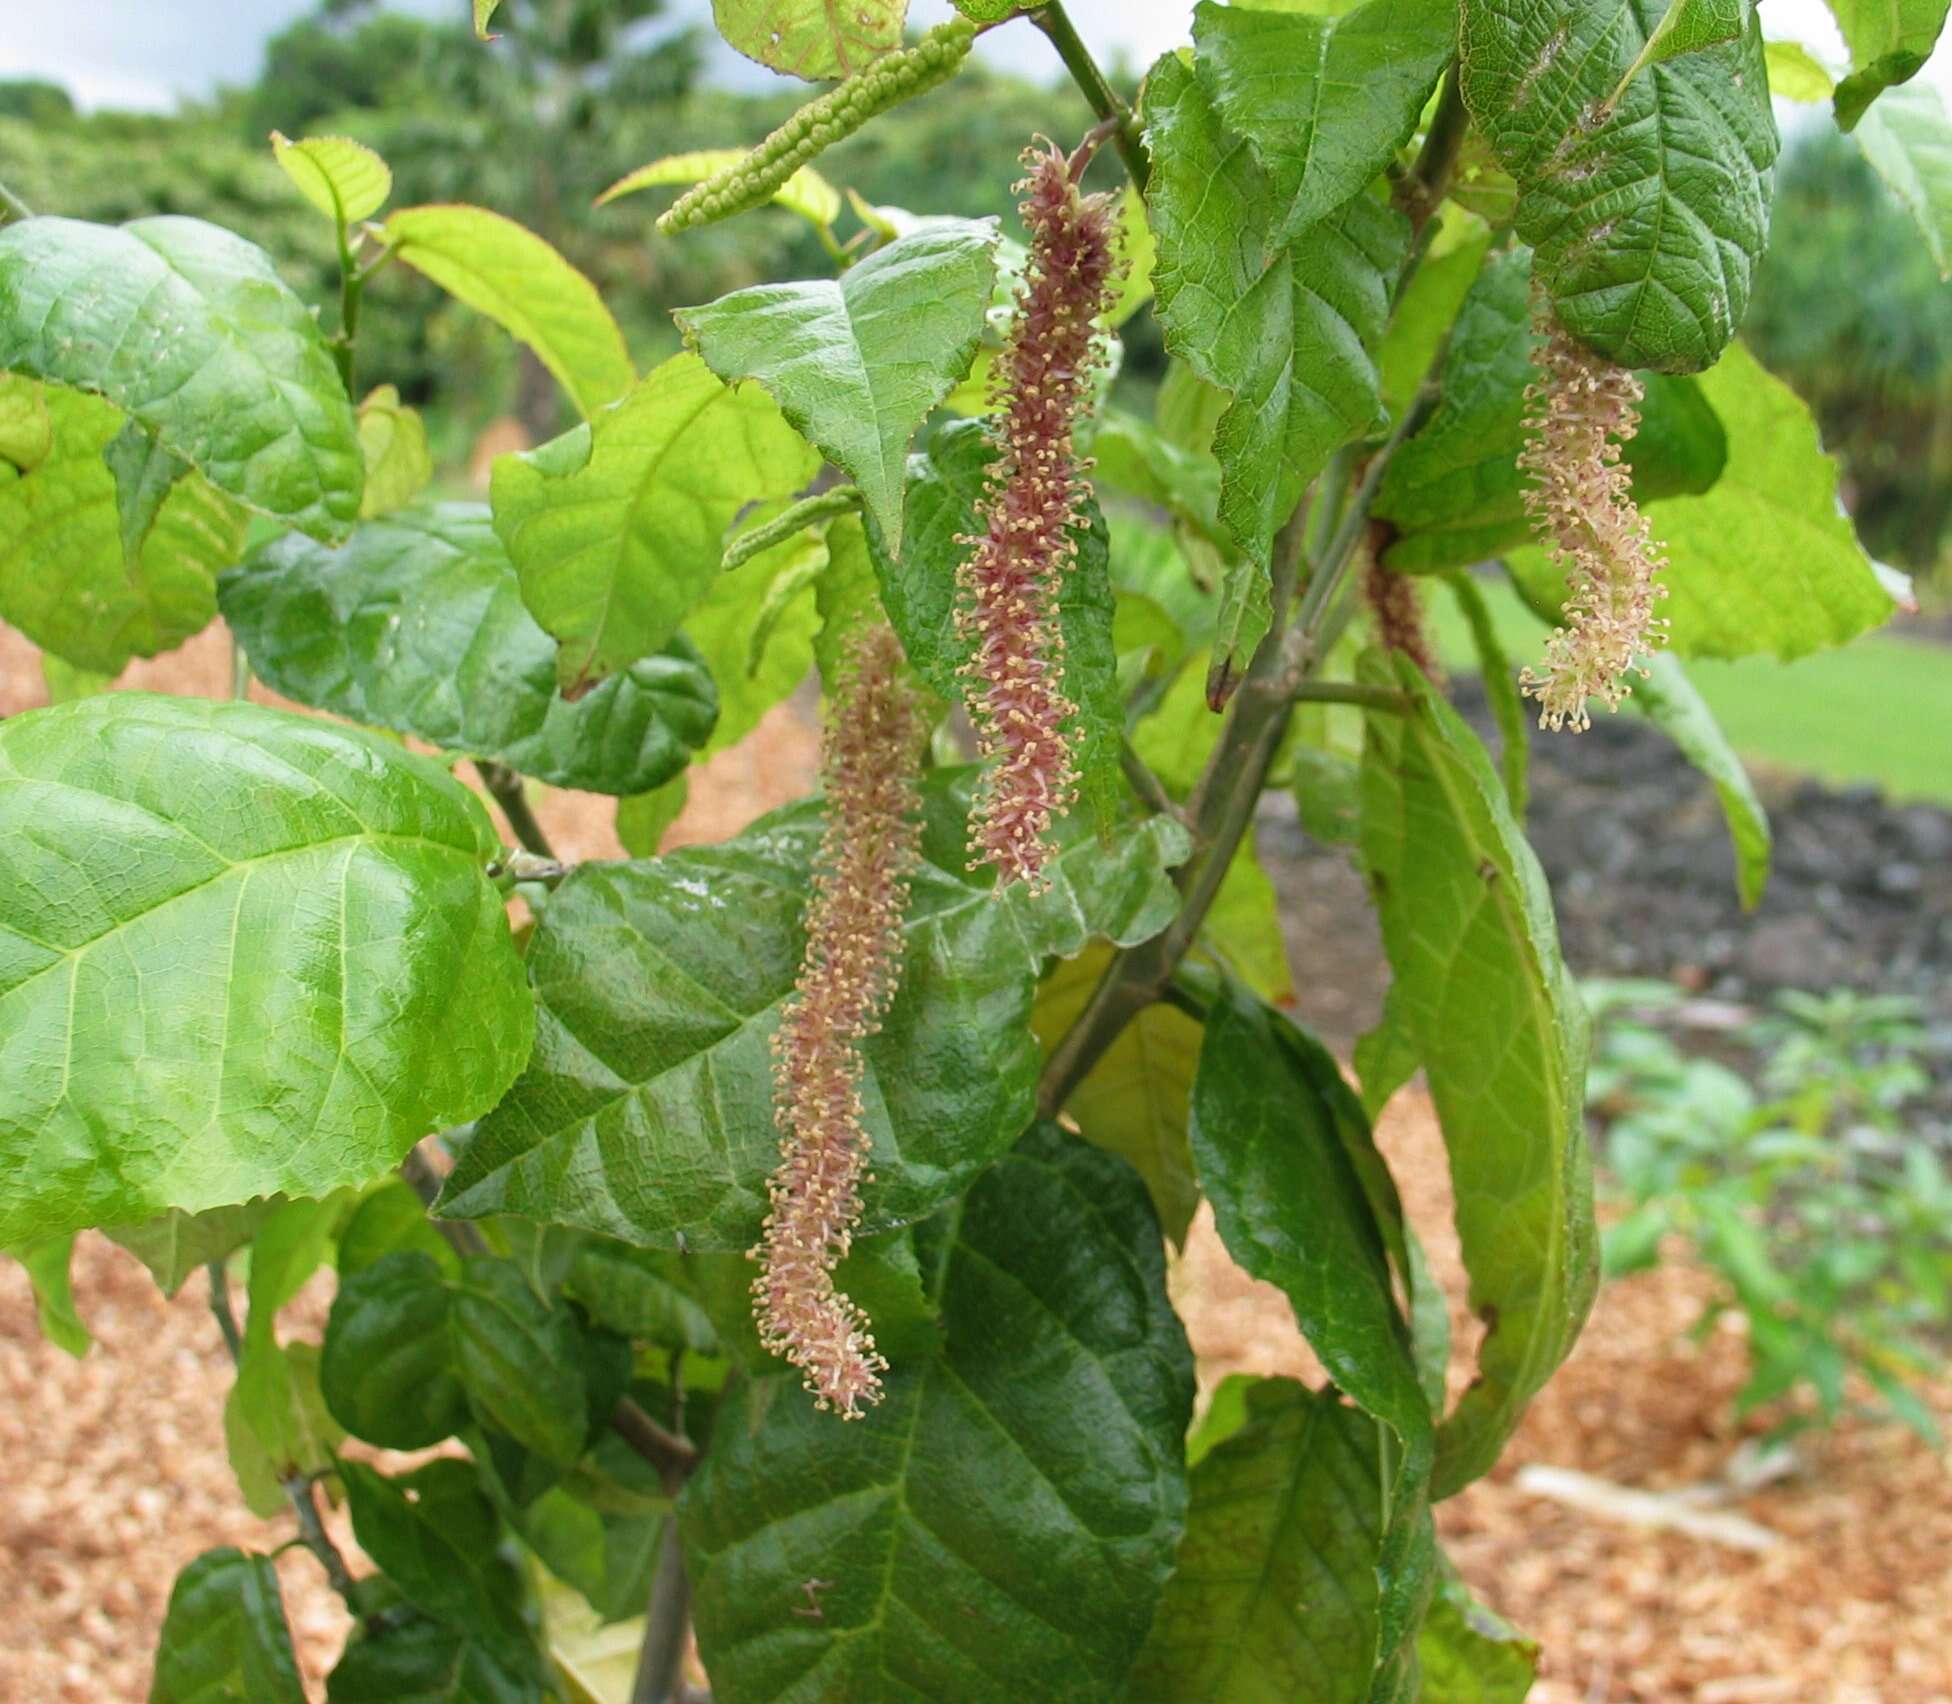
<point>462,1237</point>
<point>673,1457</point>
<point>297,1488</point>
<point>1105,101</point>
<point>1352,692</point>
<point>506,787</point>
<point>1422,191</point>
<point>661,1659</point>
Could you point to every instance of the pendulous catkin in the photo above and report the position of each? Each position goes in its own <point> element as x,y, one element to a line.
<point>848,975</point>
<point>1010,582</point>
<point>1580,410</point>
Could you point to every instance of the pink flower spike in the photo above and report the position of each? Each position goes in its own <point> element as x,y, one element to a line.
<point>848,975</point>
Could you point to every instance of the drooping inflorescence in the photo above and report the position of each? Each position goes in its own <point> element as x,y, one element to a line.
<point>1580,410</point>
<point>847,977</point>
<point>1009,584</point>
<point>842,110</point>
<point>1396,605</point>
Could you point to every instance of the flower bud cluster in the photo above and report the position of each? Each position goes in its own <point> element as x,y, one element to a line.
<point>1580,410</point>
<point>848,975</point>
<point>842,110</point>
<point>1010,582</point>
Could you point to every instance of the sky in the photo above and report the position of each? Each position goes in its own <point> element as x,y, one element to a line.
<point>151,53</point>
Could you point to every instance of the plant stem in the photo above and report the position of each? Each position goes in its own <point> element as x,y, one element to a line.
<point>1105,101</point>
<point>1352,692</point>
<point>352,285</point>
<point>1421,193</point>
<point>1147,785</point>
<point>12,204</point>
<point>424,1181</point>
<point>661,1659</point>
<point>297,1488</point>
<point>509,793</point>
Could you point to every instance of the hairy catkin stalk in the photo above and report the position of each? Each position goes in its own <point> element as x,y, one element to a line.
<point>1009,585</point>
<point>750,182</point>
<point>1396,605</point>
<point>1580,410</point>
<point>847,977</point>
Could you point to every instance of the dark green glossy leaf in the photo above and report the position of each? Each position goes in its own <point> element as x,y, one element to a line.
<point>424,1662</point>
<point>918,590</point>
<point>641,1293</point>
<point>1455,492</point>
<point>387,1368</point>
<point>520,1360</point>
<point>617,528</point>
<point>857,363</point>
<point>1275,1596</point>
<point>1325,100</point>
<point>224,1638</point>
<point>1650,215</point>
<point>68,577</point>
<point>230,945</point>
<point>190,330</point>
<point>417,624</point>
<point>999,1526</point>
<point>647,1113</point>
<point>1467,923</point>
<point>1287,329</point>
<point>436,1536</point>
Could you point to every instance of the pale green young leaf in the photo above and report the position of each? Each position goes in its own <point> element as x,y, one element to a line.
<point>617,528</point>
<point>1795,73</point>
<point>189,330</point>
<point>1503,1048</point>
<point>417,625</point>
<point>1471,1655</point>
<point>26,427</point>
<point>175,1244</point>
<point>1430,304</point>
<point>277,1424</point>
<point>856,364</point>
<point>1687,26</point>
<point>653,1059</point>
<point>812,39</point>
<point>203,1001</point>
<point>1042,1443</point>
<point>806,192</point>
<point>1286,330</point>
<point>345,180</point>
<point>484,10</point>
<point>65,682</point>
<point>65,579</point>
<point>846,597</point>
<point>1501,691</point>
<point>1325,101</point>
<point>771,595</point>
<point>394,442</point>
<point>1889,42</point>
<point>1648,215</point>
<point>224,1638</point>
<point>1244,927</point>
<point>1908,140</point>
<point>46,1264</point>
<point>144,473</point>
<point>507,272</point>
<point>1134,1101</point>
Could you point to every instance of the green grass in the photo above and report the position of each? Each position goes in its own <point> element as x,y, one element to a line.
<point>1879,710</point>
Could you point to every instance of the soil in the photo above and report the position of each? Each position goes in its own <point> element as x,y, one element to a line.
<point>117,1473</point>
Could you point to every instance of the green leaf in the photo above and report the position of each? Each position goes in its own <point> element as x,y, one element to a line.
<point>1500,690</point>
<point>394,444</point>
<point>417,624</point>
<point>647,1113</point>
<point>644,818</point>
<point>1467,924</point>
<point>345,180</point>
<point>387,1367</point>
<point>1425,312</point>
<point>483,11</point>
<point>191,331</point>
<point>387,1221</point>
<point>845,597</point>
<point>436,1536</point>
<point>812,38</point>
<point>277,1424</point>
<point>1325,101</point>
<point>806,192</point>
<point>66,578</point>
<point>1287,331</point>
<point>1766,561</point>
<point>1908,141</point>
<point>520,1360</point>
<point>175,1243</point>
<point>1469,1655</point>
<point>1454,492</point>
<point>65,683</point>
<point>1244,926</point>
<point>1669,700</point>
<point>856,364</point>
<point>1889,42</point>
<point>1276,1593</point>
<point>1043,1444</point>
<point>1649,212</point>
<point>423,1662</point>
<point>1134,1101</point>
<point>772,594</point>
<point>224,1637</point>
<point>616,530</point>
<point>918,590</point>
<point>26,428</point>
<point>1687,26</point>
<point>231,942</point>
<point>641,1293</point>
<point>46,1264</point>
<point>507,272</point>
<point>1794,72</point>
